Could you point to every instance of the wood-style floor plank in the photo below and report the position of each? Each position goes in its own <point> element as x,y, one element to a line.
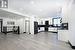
<point>40,41</point>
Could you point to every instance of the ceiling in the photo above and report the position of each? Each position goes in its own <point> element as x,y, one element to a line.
<point>39,8</point>
<point>7,14</point>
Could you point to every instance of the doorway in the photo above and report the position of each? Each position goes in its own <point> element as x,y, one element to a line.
<point>1,25</point>
<point>27,26</point>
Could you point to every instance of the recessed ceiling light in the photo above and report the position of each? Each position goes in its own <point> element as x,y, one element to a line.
<point>31,2</point>
<point>40,10</point>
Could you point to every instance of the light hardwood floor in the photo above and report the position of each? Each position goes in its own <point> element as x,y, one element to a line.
<point>40,41</point>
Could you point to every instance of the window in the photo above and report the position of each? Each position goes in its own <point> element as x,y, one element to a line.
<point>3,3</point>
<point>57,21</point>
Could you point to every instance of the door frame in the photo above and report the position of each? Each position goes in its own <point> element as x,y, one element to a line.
<point>29,25</point>
<point>1,20</point>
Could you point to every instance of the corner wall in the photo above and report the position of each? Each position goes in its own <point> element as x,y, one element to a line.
<point>69,16</point>
<point>72,25</point>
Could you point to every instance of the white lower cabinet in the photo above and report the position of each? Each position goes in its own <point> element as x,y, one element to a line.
<point>63,35</point>
<point>53,29</point>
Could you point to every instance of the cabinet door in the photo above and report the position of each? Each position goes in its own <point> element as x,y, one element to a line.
<point>35,27</point>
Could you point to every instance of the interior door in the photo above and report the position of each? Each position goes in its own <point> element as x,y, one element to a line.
<point>27,26</point>
<point>35,27</point>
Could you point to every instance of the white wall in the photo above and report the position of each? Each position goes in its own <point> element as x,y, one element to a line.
<point>32,19</point>
<point>63,35</point>
<point>5,20</point>
<point>25,19</point>
<point>68,13</point>
<point>72,25</point>
<point>21,23</point>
